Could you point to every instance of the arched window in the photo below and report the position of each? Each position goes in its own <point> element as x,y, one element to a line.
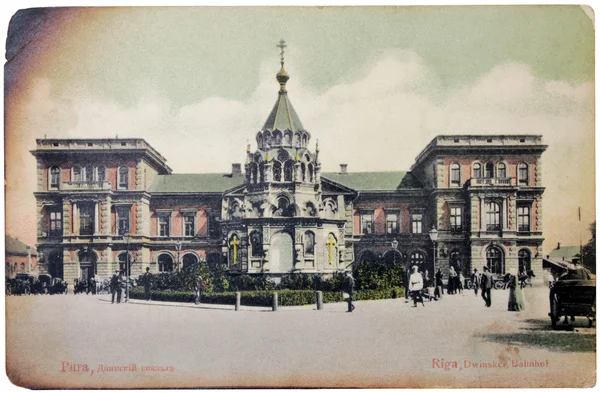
<point>492,216</point>
<point>489,170</point>
<point>257,244</point>
<point>89,173</point>
<point>287,138</point>
<point>310,173</point>
<point>296,140</point>
<point>523,173</point>
<point>236,211</point>
<point>501,171</point>
<point>304,140</point>
<point>76,177</point>
<point>311,210</point>
<point>284,208</point>
<point>330,209</point>
<point>276,171</point>
<point>477,170</point>
<point>165,263</point>
<point>454,174</point>
<point>267,139</point>
<point>417,258</point>
<point>309,243</point>
<point>303,170</point>
<point>524,260</point>
<point>189,261</point>
<point>123,177</point>
<point>495,260</point>
<point>54,177</point>
<point>288,170</point>
<point>277,138</point>
<point>123,263</point>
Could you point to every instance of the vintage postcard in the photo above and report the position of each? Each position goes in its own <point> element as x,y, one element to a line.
<point>320,197</point>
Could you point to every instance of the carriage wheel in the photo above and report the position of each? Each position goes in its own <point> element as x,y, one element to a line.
<point>498,284</point>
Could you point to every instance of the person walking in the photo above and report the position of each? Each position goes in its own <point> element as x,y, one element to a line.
<point>515,294</point>
<point>348,287</point>
<point>415,286</point>
<point>476,280</point>
<point>486,286</point>
<point>439,284</point>
<point>198,288</point>
<point>115,287</point>
<point>147,283</point>
<point>452,278</point>
<point>461,282</point>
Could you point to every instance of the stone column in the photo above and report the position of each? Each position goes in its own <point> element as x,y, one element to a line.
<point>67,219</point>
<point>106,217</point>
<point>96,218</point>
<point>475,225</point>
<point>75,219</point>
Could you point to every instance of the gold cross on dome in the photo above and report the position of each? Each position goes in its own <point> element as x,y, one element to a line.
<point>282,46</point>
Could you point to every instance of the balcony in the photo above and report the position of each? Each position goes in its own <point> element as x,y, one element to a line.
<point>87,186</point>
<point>491,182</point>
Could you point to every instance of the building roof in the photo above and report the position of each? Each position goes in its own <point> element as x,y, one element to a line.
<point>564,253</point>
<point>195,183</point>
<point>13,246</point>
<point>283,116</point>
<point>374,181</point>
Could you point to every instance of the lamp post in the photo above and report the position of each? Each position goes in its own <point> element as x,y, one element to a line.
<point>127,238</point>
<point>394,248</point>
<point>178,248</point>
<point>433,235</point>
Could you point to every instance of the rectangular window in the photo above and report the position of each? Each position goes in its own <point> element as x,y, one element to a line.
<point>55,223</point>
<point>456,219</point>
<point>164,225</point>
<point>417,223</point>
<point>123,214</point>
<point>54,177</point>
<point>76,174</point>
<point>523,218</point>
<point>366,223</point>
<point>189,225</point>
<point>492,217</point>
<point>86,219</point>
<point>391,222</point>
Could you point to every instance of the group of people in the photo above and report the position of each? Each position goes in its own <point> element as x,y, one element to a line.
<point>513,281</point>
<point>456,281</point>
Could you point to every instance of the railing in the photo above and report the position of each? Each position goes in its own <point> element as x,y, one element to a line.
<point>86,185</point>
<point>491,181</point>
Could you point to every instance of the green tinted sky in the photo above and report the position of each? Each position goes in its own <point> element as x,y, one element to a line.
<point>219,50</point>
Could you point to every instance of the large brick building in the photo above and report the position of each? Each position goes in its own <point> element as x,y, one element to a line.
<point>100,200</point>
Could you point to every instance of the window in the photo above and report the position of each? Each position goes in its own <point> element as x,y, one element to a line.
<point>501,170</point>
<point>455,174</point>
<point>523,218</point>
<point>309,243</point>
<point>189,225</point>
<point>288,170</point>
<point>213,226</point>
<point>165,263</point>
<point>366,223</point>
<point>524,260</point>
<point>303,170</point>
<point>523,173</point>
<point>391,222</point>
<point>489,170</point>
<point>86,219</point>
<point>257,244</point>
<point>492,216</point>
<point>123,177</point>
<point>254,174</point>
<point>477,170</point>
<point>88,174</point>
<point>417,258</point>
<point>495,260</point>
<point>54,177</point>
<point>164,225</point>
<point>123,213</point>
<point>310,173</point>
<point>123,263</point>
<point>276,171</point>
<point>456,219</point>
<point>76,174</point>
<point>417,223</point>
<point>55,223</point>
<point>101,173</point>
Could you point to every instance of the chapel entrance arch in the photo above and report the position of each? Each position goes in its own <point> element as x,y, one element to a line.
<point>282,253</point>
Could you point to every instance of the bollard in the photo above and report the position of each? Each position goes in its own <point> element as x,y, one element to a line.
<point>319,300</point>
<point>275,301</point>
<point>238,298</point>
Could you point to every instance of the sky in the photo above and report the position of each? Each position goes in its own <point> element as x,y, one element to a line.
<point>373,85</point>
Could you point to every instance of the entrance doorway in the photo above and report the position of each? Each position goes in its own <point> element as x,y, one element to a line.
<point>282,253</point>
<point>87,264</point>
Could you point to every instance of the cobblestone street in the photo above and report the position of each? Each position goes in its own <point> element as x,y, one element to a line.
<point>383,343</point>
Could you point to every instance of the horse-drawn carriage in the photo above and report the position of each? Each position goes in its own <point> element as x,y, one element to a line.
<point>571,298</point>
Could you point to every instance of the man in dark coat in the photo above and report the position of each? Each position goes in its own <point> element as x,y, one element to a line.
<point>115,287</point>
<point>486,286</point>
<point>348,287</point>
<point>147,283</point>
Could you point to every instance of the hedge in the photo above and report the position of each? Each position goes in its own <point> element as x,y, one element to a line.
<point>265,298</point>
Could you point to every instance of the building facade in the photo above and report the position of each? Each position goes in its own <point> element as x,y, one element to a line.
<point>105,204</point>
<point>19,257</point>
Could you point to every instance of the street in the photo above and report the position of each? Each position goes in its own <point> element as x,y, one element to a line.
<point>81,341</point>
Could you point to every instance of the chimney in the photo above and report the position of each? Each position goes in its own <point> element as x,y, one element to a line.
<point>558,246</point>
<point>236,170</point>
<point>343,169</point>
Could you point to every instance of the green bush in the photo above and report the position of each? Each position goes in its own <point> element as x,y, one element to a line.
<point>379,275</point>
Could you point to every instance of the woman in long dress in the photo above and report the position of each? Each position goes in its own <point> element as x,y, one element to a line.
<point>515,294</point>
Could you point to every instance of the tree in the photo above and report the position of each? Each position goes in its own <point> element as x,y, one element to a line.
<point>589,251</point>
